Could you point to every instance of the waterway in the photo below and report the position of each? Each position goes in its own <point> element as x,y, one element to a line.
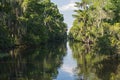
<point>58,61</point>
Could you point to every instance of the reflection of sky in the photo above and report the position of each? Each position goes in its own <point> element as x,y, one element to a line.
<point>66,71</point>
<point>66,7</point>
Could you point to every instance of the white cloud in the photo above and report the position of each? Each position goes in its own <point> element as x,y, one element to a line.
<point>68,69</point>
<point>67,7</point>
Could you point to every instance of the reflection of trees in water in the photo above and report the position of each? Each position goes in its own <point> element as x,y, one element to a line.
<point>36,64</point>
<point>107,45</point>
<point>94,66</point>
<point>108,69</point>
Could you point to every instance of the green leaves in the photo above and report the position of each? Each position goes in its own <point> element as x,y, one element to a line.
<point>44,21</point>
<point>31,22</point>
<point>98,23</point>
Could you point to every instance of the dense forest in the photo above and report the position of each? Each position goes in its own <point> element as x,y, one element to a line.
<point>30,22</point>
<point>97,22</point>
<point>34,44</point>
<point>95,39</point>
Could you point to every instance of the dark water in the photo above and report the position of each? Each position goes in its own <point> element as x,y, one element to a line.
<point>61,61</point>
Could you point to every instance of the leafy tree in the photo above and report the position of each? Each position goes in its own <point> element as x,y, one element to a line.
<point>5,40</point>
<point>32,22</point>
<point>96,22</point>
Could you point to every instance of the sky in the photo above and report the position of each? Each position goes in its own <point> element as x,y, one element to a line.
<point>66,8</point>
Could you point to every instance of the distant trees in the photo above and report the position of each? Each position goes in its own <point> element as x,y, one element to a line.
<point>30,22</point>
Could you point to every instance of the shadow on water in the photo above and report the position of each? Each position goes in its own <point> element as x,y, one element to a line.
<point>32,64</point>
<point>92,65</point>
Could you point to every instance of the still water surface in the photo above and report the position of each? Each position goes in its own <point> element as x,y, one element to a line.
<point>61,61</point>
<point>67,69</point>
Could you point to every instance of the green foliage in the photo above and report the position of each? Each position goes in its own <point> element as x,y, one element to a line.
<point>44,22</point>
<point>31,22</point>
<point>97,22</point>
<point>116,9</point>
<point>5,41</point>
<point>109,42</point>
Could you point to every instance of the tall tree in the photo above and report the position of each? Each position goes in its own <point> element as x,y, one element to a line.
<point>95,22</point>
<point>32,21</point>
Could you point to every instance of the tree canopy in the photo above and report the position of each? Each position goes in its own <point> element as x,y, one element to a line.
<point>97,22</point>
<point>30,22</point>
